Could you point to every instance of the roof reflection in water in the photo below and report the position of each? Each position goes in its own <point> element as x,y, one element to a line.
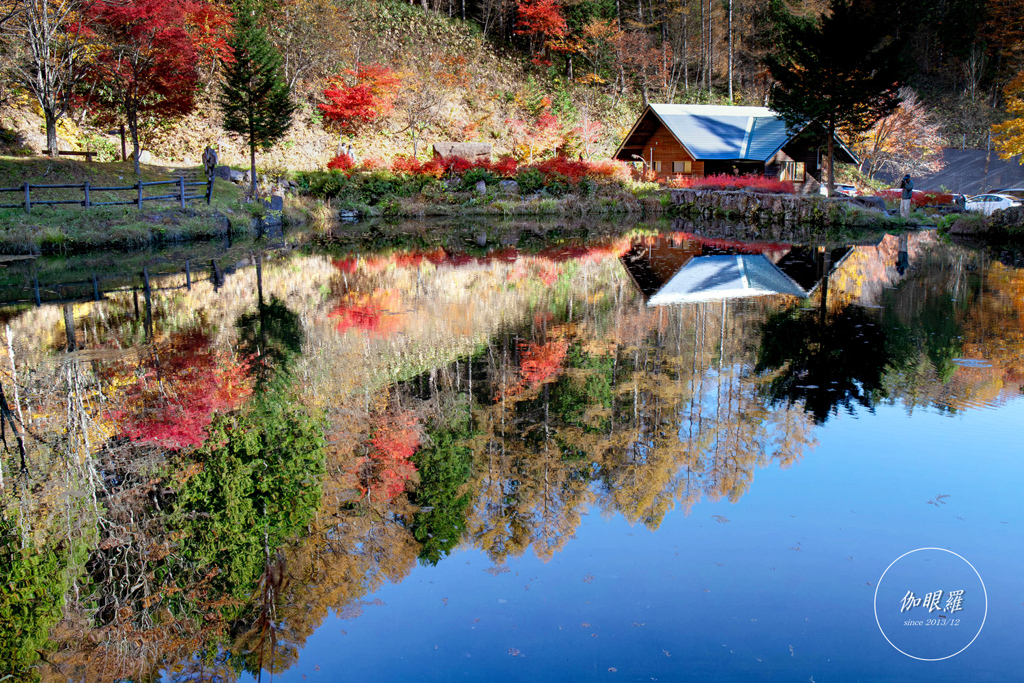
<point>686,268</point>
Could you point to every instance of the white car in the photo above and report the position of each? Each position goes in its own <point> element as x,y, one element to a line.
<point>841,190</point>
<point>987,204</point>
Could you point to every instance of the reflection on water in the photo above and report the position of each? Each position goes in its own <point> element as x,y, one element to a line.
<point>194,483</point>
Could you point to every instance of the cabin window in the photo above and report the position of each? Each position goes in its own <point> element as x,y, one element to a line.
<point>681,167</point>
<point>657,167</point>
<point>793,170</point>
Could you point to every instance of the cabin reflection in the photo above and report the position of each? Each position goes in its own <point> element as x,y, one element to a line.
<point>687,268</point>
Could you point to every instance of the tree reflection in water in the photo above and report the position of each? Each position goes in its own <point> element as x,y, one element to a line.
<point>496,400</point>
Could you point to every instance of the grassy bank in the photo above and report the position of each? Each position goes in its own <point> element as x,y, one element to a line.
<point>71,228</point>
<point>1002,227</point>
<point>455,187</point>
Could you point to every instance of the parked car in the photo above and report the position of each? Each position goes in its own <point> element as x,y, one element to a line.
<point>1015,192</point>
<point>841,190</point>
<point>989,203</point>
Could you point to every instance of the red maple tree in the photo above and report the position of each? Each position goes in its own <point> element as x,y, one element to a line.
<point>174,392</point>
<point>370,96</point>
<point>541,20</point>
<point>149,64</point>
<point>382,473</point>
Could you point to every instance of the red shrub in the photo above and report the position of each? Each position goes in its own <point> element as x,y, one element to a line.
<point>575,170</point>
<point>755,183</point>
<point>926,198</point>
<point>505,166</point>
<point>342,162</point>
<point>458,165</point>
<point>372,164</point>
<point>610,169</point>
<point>406,164</point>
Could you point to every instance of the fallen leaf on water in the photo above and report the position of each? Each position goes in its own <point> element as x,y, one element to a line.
<point>585,625</point>
<point>514,652</point>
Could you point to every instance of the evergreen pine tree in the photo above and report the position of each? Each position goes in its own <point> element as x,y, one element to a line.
<point>255,97</point>
<point>841,71</point>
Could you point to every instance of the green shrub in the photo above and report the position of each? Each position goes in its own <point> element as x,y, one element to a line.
<point>530,180</point>
<point>475,175</point>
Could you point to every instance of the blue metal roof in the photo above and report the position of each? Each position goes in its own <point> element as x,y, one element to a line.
<point>724,133</point>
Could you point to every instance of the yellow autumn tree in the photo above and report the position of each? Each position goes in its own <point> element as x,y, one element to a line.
<point>1008,136</point>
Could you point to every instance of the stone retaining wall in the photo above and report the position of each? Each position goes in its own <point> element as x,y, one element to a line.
<point>761,209</point>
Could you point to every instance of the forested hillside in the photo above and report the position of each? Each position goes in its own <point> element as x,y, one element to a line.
<point>529,76</point>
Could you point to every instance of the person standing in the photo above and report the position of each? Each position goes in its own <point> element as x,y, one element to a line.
<point>907,185</point>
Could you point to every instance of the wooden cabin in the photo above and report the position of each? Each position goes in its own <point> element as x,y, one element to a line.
<point>703,140</point>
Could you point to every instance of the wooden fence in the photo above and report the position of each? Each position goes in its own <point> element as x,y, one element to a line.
<point>97,287</point>
<point>31,291</point>
<point>181,194</point>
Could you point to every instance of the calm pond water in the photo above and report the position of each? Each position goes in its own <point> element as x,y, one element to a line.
<point>513,456</point>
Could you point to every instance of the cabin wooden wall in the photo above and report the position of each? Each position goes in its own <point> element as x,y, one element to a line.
<point>666,150</point>
<point>797,152</point>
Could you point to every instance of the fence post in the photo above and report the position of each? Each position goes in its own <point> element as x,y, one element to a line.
<point>139,186</point>
<point>259,277</point>
<point>149,303</point>
<point>69,327</point>
<point>188,274</point>
<point>181,190</point>
<point>95,287</point>
<point>28,198</point>
<point>35,286</point>
<point>86,186</point>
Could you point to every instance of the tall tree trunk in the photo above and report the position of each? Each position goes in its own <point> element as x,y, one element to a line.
<point>686,50</point>
<point>703,46</point>
<point>133,128</point>
<point>252,164</point>
<point>730,51</point>
<point>711,49</point>
<point>831,153</point>
<point>51,131</point>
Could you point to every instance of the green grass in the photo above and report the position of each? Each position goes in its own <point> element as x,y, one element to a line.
<point>69,228</point>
